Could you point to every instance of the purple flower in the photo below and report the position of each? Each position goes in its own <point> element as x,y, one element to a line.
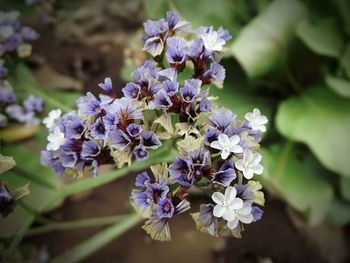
<point>224,34</point>
<point>190,90</point>
<point>111,121</point>
<point>149,140</point>
<point>18,113</point>
<point>161,100</point>
<point>7,96</point>
<point>90,149</point>
<point>75,129</point>
<point>107,86</point>
<point>126,111</point>
<point>131,90</point>
<point>89,105</point>
<point>175,23</point>
<point>134,130</point>
<point>167,74</point>
<point>140,153</point>
<point>165,209</point>
<point>142,180</point>
<point>215,73</point>
<point>155,27</point>
<point>3,70</point>
<point>142,198</point>
<point>221,119</point>
<point>33,104</point>
<point>176,50</point>
<point>11,43</point>
<point>210,136</point>
<point>225,175</point>
<point>205,105</point>
<point>29,34</point>
<point>170,87</point>
<point>257,213</point>
<point>68,159</point>
<point>181,172</point>
<point>154,46</point>
<point>49,159</point>
<point>196,50</point>
<point>119,140</point>
<point>143,74</point>
<point>159,191</point>
<point>98,130</point>
<point>207,218</point>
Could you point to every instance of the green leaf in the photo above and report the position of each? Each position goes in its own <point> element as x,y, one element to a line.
<point>345,187</point>
<point>98,241</point>
<point>297,182</point>
<point>321,120</point>
<point>338,85</point>
<point>339,213</point>
<point>346,61</point>
<point>323,38</point>
<point>262,44</point>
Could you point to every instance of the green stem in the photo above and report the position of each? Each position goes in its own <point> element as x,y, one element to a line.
<point>35,213</point>
<point>76,224</point>
<point>40,180</point>
<point>93,244</point>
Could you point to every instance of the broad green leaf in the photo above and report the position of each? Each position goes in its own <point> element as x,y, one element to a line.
<point>339,85</point>
<point>262,44</point>
<point>345,188</point>
<point>297,182</point>
<point>320,119</point>
<point>323,38</point>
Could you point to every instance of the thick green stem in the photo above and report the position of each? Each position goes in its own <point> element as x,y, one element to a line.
<point>76,224</point>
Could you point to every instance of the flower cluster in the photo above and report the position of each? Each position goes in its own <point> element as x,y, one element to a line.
<point>168,99</point>
<point>13,111</point>
<point>14,37</point>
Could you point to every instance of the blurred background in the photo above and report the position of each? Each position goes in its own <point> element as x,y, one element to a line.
<point>289,58</point>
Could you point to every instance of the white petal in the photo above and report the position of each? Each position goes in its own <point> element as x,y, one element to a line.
<point>234,140</point>
<point>218,198</point>
<point>229,214</point>
<point>223,139</point>
<point>262,119</point>
<point>225,154</point>
<point>216,145</point>
<point>248,173</point>
<point>257,169</point>
<point>246,219</point>
<point>230,193</point>
<point>237,203</point>
<point>219,211</point>
<point>249,116</point>
<point>236,149</point>
<point>256,112</point>
<point>257,158</point>
<point>239,165</point>
<point>248,156</point>
<point>232,224</point>
<point>247,209</point>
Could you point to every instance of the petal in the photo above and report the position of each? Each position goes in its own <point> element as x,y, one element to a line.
<point>224,154</point>
<point>237,203</point>
<point>229,214</point>
<point>232,224</point>
<point>246,210</point>
<point>239,165</point>
<point>258,169</point>
<point>234,140</point>
<point>257,158</point>
<point>216,145</point>
<point>248,156</point>
<point>219,211</point>
<point>249,116</point>
<point>223,139</point>
<point>218,198</point>
<point>246,219</point>
<point>256,112</point>
<point>236,149</point>
<point>248,173</point>
<point>230,193</point>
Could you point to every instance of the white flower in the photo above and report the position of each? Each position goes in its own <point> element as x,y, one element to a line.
<point>227,145</point>
<point>51,119</point>
<point>243,214</point>
<point>250,164</point>
<point>56,139</point>
<point>256,120</point>
<point>226,204</point>
<point>212,41</point>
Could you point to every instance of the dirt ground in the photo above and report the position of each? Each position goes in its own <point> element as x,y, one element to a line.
<point>273,239</point>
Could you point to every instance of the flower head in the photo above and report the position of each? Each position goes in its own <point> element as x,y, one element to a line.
<point>250,164</point>
<point>256,120</point>
<point>226,204</point>
<point>56,139</point>
<point>227,145</point>
<point>51,119</point>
